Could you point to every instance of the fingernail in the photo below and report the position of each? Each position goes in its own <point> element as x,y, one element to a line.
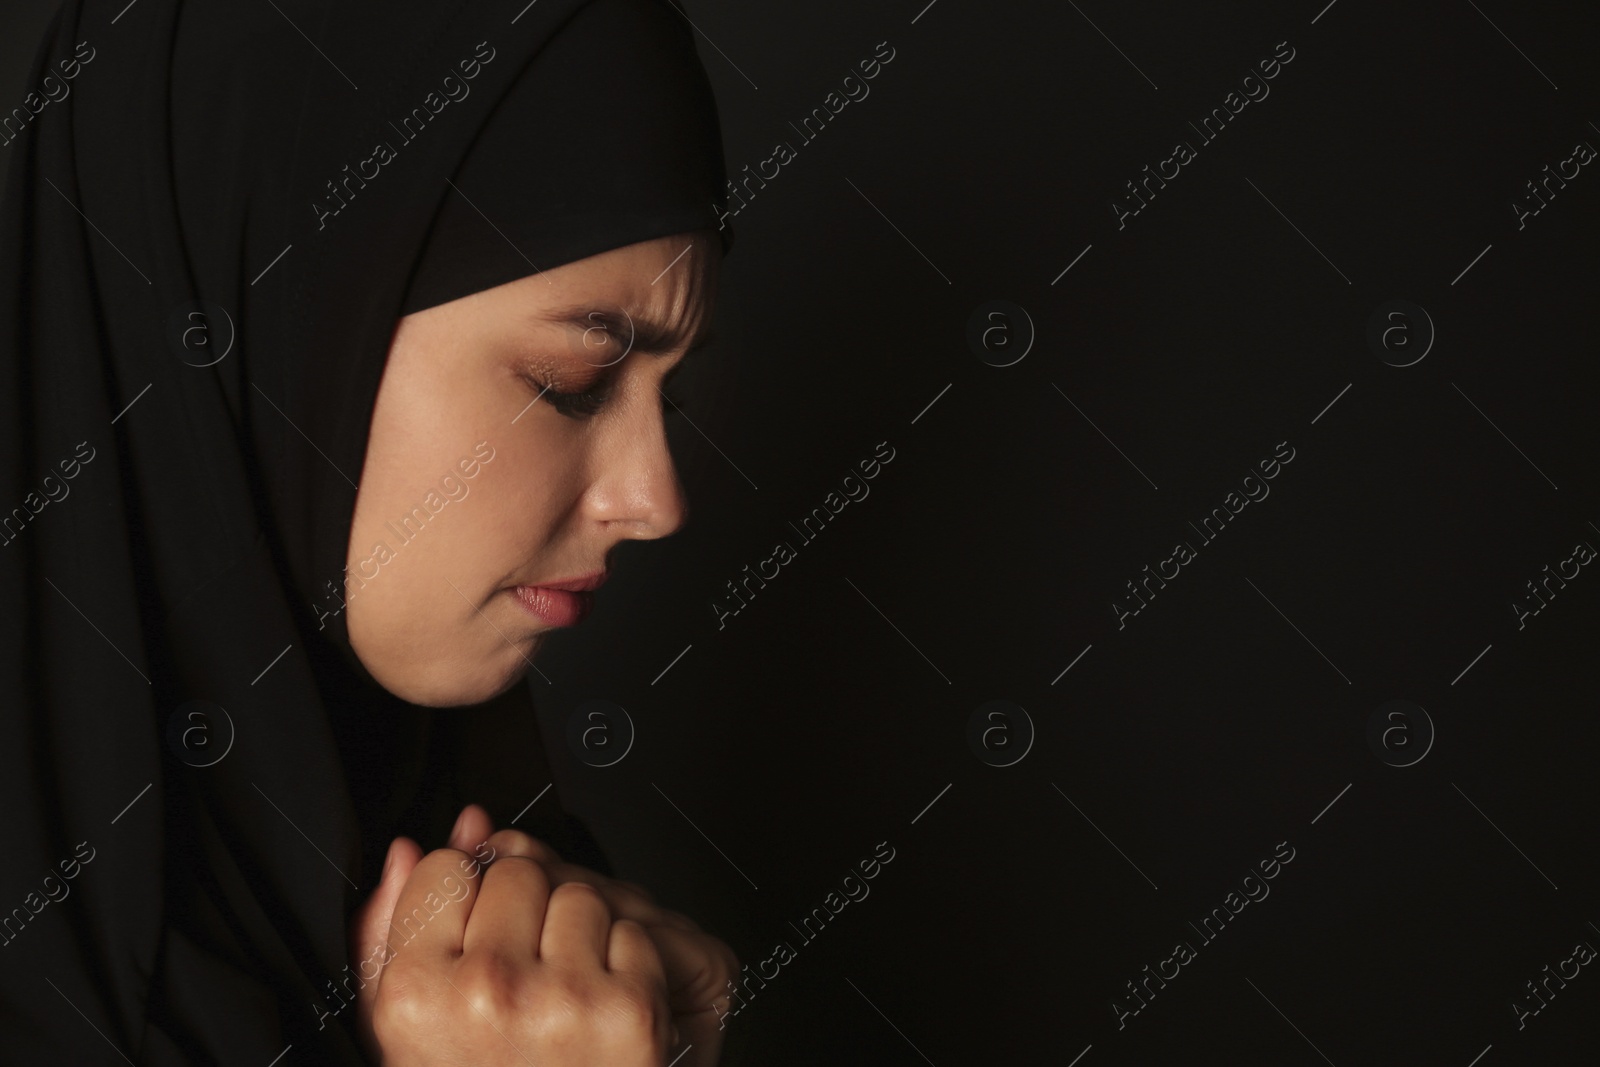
<point>388,861</point>
<point>460,821</point>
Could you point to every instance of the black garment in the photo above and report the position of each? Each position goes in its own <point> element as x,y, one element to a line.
<point>203,253</point>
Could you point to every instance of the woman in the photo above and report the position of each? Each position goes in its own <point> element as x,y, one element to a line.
<point>333,338</point>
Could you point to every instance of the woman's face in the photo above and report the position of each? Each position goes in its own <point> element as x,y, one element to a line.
<point>482,481</point>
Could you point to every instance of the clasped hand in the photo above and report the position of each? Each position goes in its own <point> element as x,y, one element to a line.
<point>494,951</point>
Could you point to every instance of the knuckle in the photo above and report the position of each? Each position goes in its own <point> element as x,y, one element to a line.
<point>440,864</point>
<point>634,934</point>
<point>524,867</point>
<point>516,843</point>
<point>401,1010</point>
<point>564,1013</point>
<point>527,872</point>
<point>491,985</point>
<point>579,890</point>
<point>634,1007</point>
<point>715,966</point>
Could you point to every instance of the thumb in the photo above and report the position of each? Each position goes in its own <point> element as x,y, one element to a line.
<point>369,926</point>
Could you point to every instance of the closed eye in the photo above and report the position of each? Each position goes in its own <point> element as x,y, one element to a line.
<point>572,405</point>
<point>583,405</point>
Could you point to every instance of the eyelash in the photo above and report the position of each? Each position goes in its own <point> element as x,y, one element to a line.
<point>586,404</point>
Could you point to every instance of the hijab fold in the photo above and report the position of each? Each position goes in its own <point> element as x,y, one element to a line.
<point>204,250</point>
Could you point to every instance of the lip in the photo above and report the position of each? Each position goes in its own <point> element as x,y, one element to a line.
<point>558,607</point>
<point>560,603</point>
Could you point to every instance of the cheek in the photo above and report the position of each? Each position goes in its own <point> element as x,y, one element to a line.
<point>427,615</point>
<point>409,539</point>
<point>523,509</point>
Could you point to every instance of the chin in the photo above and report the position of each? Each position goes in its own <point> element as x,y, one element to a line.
<point>452,685</point>
<point>471,675</point>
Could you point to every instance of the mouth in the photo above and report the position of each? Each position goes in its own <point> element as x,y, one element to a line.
<point>561,603</point>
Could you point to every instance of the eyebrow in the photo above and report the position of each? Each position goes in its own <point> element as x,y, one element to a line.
<point>649,335</point>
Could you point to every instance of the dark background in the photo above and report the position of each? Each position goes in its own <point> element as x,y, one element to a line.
<point>1223,719</point>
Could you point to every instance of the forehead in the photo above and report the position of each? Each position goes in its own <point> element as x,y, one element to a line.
<point>658,292</point>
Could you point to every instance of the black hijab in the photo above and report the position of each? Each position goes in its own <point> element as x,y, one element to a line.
<point>215,213</point>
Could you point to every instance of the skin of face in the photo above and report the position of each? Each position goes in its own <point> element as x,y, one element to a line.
<point>476,482</point>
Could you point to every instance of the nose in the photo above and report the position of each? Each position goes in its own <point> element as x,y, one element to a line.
<point>638,494</point>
